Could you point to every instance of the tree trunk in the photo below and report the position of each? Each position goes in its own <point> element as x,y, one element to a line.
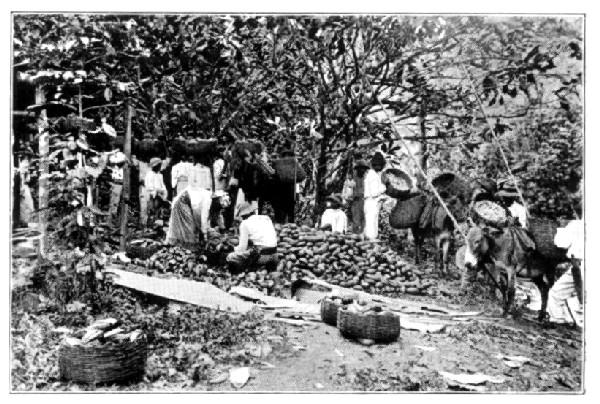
<point>321,167</point>
<point>126,181</point>
<point>43,149</point>
<point>423,129</point>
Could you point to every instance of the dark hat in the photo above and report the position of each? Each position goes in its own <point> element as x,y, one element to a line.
<point>335,199</point>
<point>378,159</point>
<point>361,163</point>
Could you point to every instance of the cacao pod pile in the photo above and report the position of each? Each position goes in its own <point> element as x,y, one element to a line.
<point>347,261</point>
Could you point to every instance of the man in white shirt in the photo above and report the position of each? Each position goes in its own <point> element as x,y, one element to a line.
<point>373,191</point>
<point>569,285</point>
<point>180,175</point>
<point>333,217</point>
<point>154,189</point>
<point>200,176</point>
<point>258,230</point>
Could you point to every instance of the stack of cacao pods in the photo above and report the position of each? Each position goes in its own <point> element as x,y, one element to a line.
<point>347,261</point>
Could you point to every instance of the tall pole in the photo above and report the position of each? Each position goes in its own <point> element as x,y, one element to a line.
<point>126,180</point>
<point>43,150</point>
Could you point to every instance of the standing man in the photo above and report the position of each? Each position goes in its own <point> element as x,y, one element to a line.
<point>357,207</point>
<point>201,176</point>
<point>373,192</point>
<point>255,229</point>
<point>154,187</point>
<point>180,175</point>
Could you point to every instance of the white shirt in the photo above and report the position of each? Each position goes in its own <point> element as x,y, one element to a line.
<point>116,173</point>
<point>180,170</point>
<point>374,187</point>
<point>260,230</point>
<point>336,218</point>
<point>200,177</point>
<point>571,237</point>
<point>517,210</point>
<point>154,183</point>
<point>143,168</point>
<point>218,167</point>
<point>200,199</point>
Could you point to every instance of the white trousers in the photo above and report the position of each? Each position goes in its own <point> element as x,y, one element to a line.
<point>372,207</point>
<point>563,305</point>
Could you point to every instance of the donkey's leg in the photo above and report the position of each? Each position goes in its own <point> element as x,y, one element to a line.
<point>544,289</point>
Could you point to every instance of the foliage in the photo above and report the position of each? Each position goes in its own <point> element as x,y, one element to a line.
<point>315,83</point>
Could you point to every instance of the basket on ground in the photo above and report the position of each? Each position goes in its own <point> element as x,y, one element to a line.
<point>380,327</point>
<point>397,182</point>
<point>407,212</point>
<point>543,232</point>
<point>108,363</point>
<point>329,311</point>
<point>142,249</point>
<point>490,213</point>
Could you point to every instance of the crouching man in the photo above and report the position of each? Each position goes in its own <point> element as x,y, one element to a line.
<point>258,230</point>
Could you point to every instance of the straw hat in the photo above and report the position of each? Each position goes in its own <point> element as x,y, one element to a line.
<point>155,161</point>
<point>246,209</point>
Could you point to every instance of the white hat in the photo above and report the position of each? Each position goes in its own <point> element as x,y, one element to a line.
<point>117,158</point>
<point>247,209</point>
<point>154,161</point>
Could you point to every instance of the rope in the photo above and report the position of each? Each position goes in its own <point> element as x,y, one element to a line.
<point>487,119</point>
<point>413,158</point>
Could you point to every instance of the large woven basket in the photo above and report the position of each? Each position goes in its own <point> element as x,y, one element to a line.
<point>397,182</point>
<point>109,363</point>
<point>490,213</point>
<point>406,213</point>
<point>449,184</point>
<point>329,311</point>
<point>543,232</point>
<point>289,170</point>
<point>201,147</point>
<point>380,327</point>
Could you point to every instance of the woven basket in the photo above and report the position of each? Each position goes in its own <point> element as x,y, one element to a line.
<point>490,213</point>
<point>406,213</point>
<point>201,147</point>
<point>543,232</point>
<point>378,327</point>
<point>135,250</point>
<point>110,363</point>
<point>397,182</point>
<point>329,311</point>
<point>449,184</point>
<point>289,170</point>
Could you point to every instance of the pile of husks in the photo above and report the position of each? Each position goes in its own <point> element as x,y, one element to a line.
<point>339,259</point>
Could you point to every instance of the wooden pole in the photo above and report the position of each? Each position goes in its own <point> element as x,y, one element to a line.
<point>126,181</point>
<point>504,159</point>
<point>43,150</point>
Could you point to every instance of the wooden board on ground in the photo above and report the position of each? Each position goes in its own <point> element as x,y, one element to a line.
<point>182,290</point>
<point>306,310</point>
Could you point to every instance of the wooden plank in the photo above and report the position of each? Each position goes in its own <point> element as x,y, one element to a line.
<point>182,290</point>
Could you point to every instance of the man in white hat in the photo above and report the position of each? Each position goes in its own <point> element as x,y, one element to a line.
<point>116,162</point>
<point>153,190</point>
<point>255,229</point>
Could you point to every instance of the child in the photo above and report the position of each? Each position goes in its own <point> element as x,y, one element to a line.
<point>334,217</point>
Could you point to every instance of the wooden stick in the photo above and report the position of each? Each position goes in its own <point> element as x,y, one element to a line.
<point>126,181</point>
<point>510,173</point>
